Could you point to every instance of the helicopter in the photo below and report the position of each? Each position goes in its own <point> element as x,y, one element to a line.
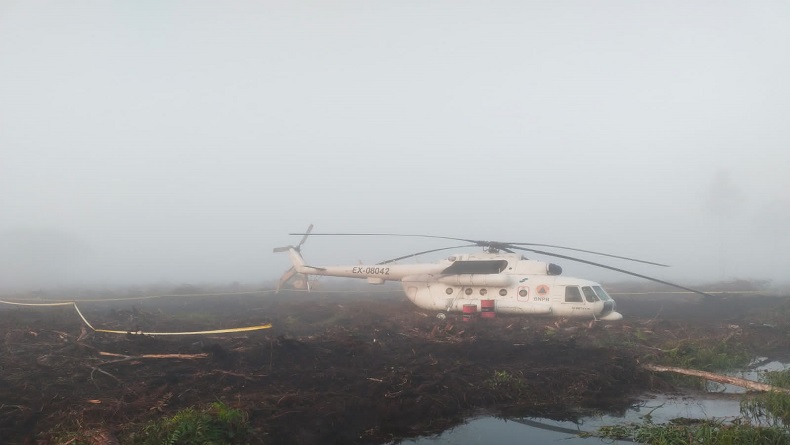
<point>497,279</point>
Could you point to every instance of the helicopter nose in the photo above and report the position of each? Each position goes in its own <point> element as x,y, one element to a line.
<point>612,316</point>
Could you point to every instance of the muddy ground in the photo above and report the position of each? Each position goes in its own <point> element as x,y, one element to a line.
<point>362,368</point>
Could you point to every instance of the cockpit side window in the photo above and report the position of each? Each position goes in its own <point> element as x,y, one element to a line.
<point>572,294</point>
<point>601,293</point>
<point>589,295</point>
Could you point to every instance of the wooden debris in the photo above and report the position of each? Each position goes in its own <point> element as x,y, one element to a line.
<point>94,369</point>
<point>250,378</point>
<point>172,356</point>
<point>743,383</point>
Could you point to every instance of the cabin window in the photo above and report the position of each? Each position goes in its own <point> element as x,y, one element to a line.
<point>572,295</point>
<point>449,291</point>
<point>523,293</point>
<point>502,292</point>
<point>589,295</point>
<point>601,293</point>
<point>468,291</point>
<point>483,291</point>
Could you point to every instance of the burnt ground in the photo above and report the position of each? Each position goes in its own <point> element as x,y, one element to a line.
<point>363,368</point>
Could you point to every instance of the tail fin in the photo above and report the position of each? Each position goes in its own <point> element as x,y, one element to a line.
<point>292,275</point>
<point>297,280</point>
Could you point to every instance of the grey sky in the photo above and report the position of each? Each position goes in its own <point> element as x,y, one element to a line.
<point>182,140</point>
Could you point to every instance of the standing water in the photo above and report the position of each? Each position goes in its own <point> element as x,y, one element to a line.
<point>528,431</point>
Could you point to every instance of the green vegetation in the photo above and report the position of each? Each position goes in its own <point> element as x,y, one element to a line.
<point>71,435</point>
<point>290,321</point>
<point>693,432</point>
<point>778,378</point>
<point>506,381</point>
<point>704,356</point>
<point>772,407</point>
<point>216,425</point>
<point>640,334</point>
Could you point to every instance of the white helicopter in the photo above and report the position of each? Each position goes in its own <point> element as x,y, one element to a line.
<point>497,278</point>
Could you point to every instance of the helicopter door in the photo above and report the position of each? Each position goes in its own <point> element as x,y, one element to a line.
<point>523,293</point>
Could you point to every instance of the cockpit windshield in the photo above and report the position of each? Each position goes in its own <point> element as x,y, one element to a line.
<point>589,295</point>
<point>602,293</point>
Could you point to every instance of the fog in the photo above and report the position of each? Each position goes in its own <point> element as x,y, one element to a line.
<point>180,141</point>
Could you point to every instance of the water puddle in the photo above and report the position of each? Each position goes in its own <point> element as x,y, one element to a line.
<point>718,401</point>
<point>524,431</point>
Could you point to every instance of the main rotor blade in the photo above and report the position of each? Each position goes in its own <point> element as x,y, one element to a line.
<point>589,251</point>
<point>475,242</point>
<point>424,252</point>
<point>496,244</point>
<point>616,269</point>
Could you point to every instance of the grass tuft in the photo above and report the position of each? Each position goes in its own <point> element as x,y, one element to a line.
<point>778,378</point>
<point>771,407</point>
<point>216,425</point>
<point>697,432</point>
<point>506,381</point>
<point>703,356</point>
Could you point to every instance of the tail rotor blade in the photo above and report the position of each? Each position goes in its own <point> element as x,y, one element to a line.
<point>304,238</point>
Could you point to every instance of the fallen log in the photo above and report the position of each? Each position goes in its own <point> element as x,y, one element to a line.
<point>235,374</point>
<point>129,358</point>
<point>743,383</point>
<point>175,356</point>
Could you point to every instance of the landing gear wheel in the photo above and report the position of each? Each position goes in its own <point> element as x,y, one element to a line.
<point>441,315</point>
